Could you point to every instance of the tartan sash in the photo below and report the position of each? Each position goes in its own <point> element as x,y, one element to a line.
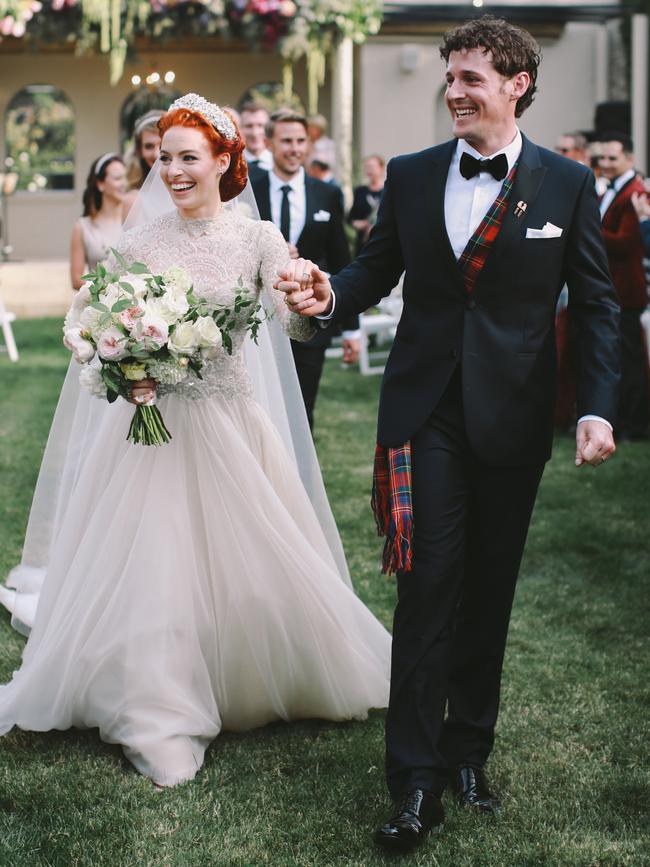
<point>392,505</point>
<point>392,491</point>
<point>475,254</point>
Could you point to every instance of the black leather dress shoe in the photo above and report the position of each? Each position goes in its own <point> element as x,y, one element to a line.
<point>471,787</point>
<point>417,813</point>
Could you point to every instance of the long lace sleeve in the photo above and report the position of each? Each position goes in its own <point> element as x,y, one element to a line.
<point>274,255</point>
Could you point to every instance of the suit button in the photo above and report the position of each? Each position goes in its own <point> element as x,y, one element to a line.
<point>470,304</point>
<point>453,353</point>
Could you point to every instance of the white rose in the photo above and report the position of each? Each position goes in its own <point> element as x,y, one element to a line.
<point>138,284</point>
<point>82,349</point>
<point>169,307</point>
<point>177,280</point>
<point>209,333</point>
<point>110,295</point>
<point>112,345</point>
<point>184,340</point>
<point>90,320</point>
<point>91,378</point>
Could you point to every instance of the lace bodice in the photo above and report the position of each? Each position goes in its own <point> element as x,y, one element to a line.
<point>216,253</point>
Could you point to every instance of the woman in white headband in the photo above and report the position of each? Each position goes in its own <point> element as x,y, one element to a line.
<point>99,228</point>
<point>140,160</point>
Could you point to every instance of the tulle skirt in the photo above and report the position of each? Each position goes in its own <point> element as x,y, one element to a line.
<point>191,590</point>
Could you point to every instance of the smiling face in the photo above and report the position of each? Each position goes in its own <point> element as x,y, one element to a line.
<point>614,160</point>
<point>191,172</point>
<point>149,146</point>
<point>289,146</point>
<point>481,101</point>
<point>113,185</point>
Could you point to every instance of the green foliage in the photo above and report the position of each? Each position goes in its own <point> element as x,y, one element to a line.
<point>40,138</point>
<point>572,755</point>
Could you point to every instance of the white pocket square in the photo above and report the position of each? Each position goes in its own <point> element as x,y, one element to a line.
<point>322,216</point>
<point>547,231</point>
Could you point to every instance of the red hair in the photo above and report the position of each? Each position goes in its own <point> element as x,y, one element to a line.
<point>234,178</point>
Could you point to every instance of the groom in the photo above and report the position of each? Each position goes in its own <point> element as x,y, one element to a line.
<point>488,228</point>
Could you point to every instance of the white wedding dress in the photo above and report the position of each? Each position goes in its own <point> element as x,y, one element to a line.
<point>190,587</point>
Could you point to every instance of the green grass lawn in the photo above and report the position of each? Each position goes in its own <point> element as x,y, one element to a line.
<point>571,760</point>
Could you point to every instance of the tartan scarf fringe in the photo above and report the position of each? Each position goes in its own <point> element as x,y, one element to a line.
<point>392,506</point>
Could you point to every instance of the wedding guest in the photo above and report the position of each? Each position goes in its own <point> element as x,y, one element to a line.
<point>146,147</point>
<point>594,149</point>
<point>625,252</point>
<point>321,171</point>
<point>573,146</point>
<point>309,213</point>
<point>254,117</point>
<point>363,212</point>
<point>322,147</point>
<point>99,228</point>
<point>641,204</point>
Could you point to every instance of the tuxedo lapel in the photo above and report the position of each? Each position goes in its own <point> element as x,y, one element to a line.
<point>435,183</point>
<point>311,206</point>
<point>262,189</point>
<point>528,181</point>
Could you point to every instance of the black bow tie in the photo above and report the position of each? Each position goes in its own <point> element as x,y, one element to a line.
<point>470,166</point>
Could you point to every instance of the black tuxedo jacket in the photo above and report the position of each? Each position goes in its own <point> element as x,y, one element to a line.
<point>322,241</point>
<point>503,335</point>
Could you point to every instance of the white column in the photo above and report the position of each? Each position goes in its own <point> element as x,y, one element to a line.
<point>640,90</point>
<point>601,63</point>
<point>342,114</point>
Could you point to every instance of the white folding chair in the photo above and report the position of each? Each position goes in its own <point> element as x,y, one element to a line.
<point>383,325</point>
<point>6,319</point>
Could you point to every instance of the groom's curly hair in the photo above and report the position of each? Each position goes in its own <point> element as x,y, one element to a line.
<point>513,50</point>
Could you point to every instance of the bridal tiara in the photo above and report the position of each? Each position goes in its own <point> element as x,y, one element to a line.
<point>217,116</point>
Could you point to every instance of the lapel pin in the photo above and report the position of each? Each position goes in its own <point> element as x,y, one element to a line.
<point>520,209</point>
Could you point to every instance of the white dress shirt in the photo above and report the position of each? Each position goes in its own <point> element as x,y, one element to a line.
<point>612,190</point>
<point>297,203</point>
<point>468,201</point>
<point>264,160</point>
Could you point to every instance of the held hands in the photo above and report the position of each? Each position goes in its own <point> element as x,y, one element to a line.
<point>351,349</point>
<point>142,391</point>
<point>307,289</point>
<point>594,443</point>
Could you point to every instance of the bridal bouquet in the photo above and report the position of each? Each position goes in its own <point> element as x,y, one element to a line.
<point>129,324</point>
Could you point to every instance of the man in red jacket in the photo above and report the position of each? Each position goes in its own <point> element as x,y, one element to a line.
<point>625,253</point>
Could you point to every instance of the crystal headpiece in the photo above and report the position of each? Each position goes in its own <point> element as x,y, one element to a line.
<point>217,117</point>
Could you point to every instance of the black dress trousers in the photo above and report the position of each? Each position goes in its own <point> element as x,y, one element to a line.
<point>453,609</point>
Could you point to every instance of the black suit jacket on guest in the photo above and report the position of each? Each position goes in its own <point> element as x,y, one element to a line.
<point>503,335</point>
<point>322,241</point>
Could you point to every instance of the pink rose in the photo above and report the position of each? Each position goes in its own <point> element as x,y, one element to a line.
<point>154,328</point>
<point>112,345</point>
<point>130,316</point>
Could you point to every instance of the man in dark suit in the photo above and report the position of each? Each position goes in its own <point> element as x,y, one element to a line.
<point>309,213</point>
<point>488,228</point>
<point>625,251</point>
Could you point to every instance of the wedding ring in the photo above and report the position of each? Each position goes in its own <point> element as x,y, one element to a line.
<point>305,275</point>
<point>287,301</point>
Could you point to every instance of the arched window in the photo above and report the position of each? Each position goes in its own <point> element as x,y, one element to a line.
<point>138,103</point>
<point>40,138</point>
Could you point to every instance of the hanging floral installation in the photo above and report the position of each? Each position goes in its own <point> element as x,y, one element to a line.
<point>309,29</point>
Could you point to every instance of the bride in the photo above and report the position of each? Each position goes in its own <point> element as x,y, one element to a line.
<point>201,585</point>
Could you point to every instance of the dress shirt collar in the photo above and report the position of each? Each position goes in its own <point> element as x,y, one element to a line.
<point>295,183</point>
<point>621,180</point>
<point>511,151</point>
